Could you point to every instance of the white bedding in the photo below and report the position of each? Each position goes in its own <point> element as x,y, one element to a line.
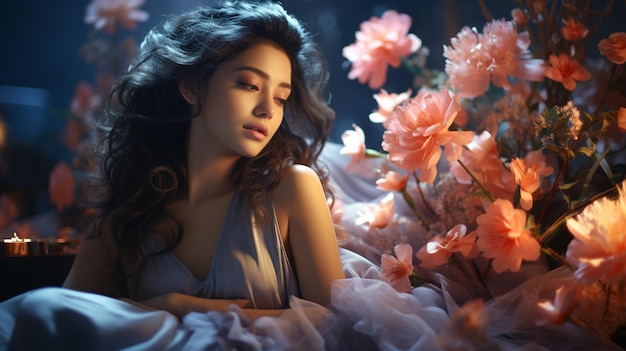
<point>366,312</point>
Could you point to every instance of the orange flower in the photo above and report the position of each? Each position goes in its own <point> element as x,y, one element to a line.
<point>476,59</point>
<point>380,42</point>
<point>61,186</point>
<point>438,250</point>
<point>396,270</point>
<point>393,181</point>
<point>419,128</point>
<point>336,210</point>
<point>566,70</point>
<point>526,173</point>
<point>467,329</point>
<point>85,100</point>
<point>573,30</point>
<point>387,103</point>
<point>482,158</point>
<point>73,134</point>
<point>614,48</point>
<point>378,216</point>
<point>528,181</point>
<point>565,302</point>
<point>502,235</point>
<point>354,144</point>
<point>599,244</point>
<point>621,119</point>
<point>104,14</point>
<point>519,17</point>
<point>8,210</point>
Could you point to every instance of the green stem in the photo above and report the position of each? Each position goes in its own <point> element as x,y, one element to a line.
<point>550,252</point>
<point>426,203</point>
<point>370,153</point>
<point>414,275</point>
<point>487,193</point>
<point>555,186</point>
<point>409,200</point>
<point>545,238</point>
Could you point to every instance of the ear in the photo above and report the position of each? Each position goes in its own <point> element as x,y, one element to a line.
<point>188,90</point>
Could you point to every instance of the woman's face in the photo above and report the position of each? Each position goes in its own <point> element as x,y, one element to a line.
<point>244,100</point>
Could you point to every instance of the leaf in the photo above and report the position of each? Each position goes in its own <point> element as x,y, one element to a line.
<point>551,115</point>
<point>586,150</point>
<point>606,168</point>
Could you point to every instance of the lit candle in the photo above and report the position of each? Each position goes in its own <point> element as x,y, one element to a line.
<point>16,239</point>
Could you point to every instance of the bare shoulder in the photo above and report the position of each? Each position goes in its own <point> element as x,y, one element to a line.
<point>299,182</point>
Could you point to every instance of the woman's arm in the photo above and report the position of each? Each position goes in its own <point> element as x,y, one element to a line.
<point>300,200</point>
<point>92,269</point>
<point>181,304</point>
<point>91,272</point>
<point>304,215</point>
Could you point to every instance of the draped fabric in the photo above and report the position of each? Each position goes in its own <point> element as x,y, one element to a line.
<point>250,263</point>
<point>366,313</point>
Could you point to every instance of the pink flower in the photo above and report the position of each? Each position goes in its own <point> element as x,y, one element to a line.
<point>526,174</point>
<point>73,134</point>
<point>566,70</point>
<point>419,128</point>
<point>475,59</point>
<point>536,161</point>
<point>378,216</point>
<point>8,210</point>
<point>467,329</point>
<point>396,271</point>
<point>573,30</point>
<point>61,186</point>
<point>599,244</point>
<point>621,119</point>
<point>380,42</point>
<point>336,211</point>
<point>519,17</point>
<point>354,144</point>
<point>104,14</point>
<point>387,103</point>
<point>482,158</point>
<point>528,181</point>
<point>502,235</point>
<point>392,181</point>
<point>438,250</point>
<point>614,48</point>
<point>565,302</point>
<point>85,100</point>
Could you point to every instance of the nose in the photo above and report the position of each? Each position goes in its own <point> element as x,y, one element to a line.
<point>264,108</point>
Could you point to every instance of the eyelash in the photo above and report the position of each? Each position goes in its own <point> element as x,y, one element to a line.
<point>254,87</point>
<point>247,85</point>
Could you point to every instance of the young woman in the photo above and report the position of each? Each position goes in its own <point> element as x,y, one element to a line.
<point>209,193</point>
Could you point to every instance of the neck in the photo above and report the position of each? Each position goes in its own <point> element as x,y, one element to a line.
<point>208,171</point>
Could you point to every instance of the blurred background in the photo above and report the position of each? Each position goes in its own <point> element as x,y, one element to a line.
<point>41,64</point>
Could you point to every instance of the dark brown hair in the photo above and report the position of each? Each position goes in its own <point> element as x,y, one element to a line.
<point>143,151</point>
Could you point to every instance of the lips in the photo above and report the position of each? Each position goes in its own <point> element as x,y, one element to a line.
<point>257,127</point>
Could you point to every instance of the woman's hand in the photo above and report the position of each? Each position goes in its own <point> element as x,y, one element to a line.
<point>180,304</point>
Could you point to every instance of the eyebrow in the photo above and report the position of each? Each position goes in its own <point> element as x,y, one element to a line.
<point>262,74</point>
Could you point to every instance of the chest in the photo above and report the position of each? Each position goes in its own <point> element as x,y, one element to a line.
<point>203,225</point>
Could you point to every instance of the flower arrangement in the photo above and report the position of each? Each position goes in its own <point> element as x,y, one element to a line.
<point>110,55</point>
<point>532,178</point>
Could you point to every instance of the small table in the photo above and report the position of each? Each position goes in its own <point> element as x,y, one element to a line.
<point>19,274</point>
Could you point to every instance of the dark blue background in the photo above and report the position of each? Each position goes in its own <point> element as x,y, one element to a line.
<point>40,42</point>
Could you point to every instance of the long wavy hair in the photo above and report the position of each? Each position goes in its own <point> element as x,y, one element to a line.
<point>143,148</point>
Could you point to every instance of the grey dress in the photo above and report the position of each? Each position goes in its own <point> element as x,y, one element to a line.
<point>250,262</point>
